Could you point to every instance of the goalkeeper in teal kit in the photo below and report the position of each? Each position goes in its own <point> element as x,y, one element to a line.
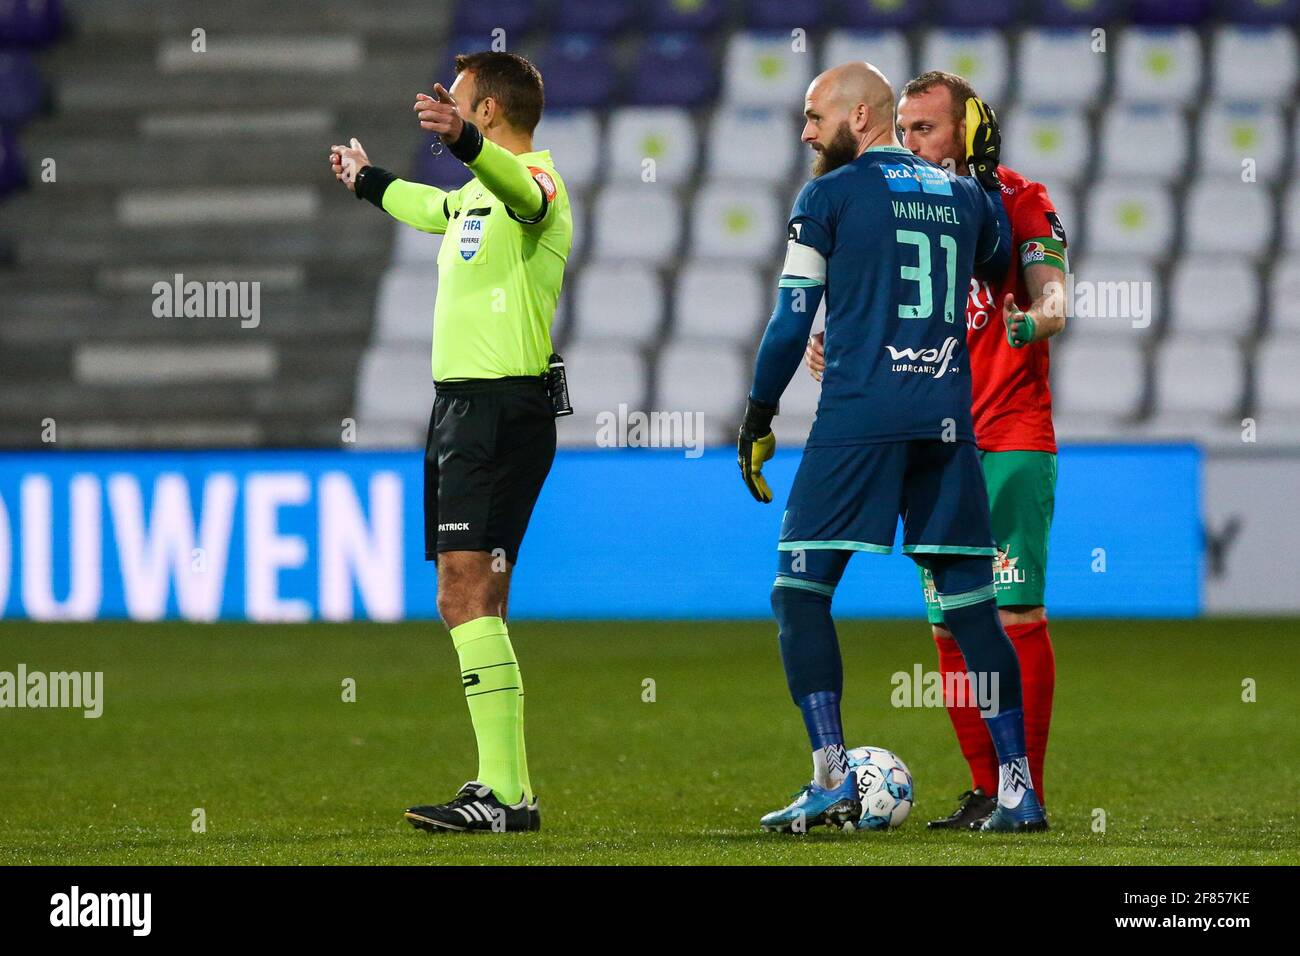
<point>890,242</point>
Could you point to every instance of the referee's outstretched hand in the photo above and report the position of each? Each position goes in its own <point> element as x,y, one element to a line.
<point>347,161</point>
<point>439,114</point>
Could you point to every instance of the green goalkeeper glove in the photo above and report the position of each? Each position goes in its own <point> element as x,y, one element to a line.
<point>755,445</point>
<point>983,143</point>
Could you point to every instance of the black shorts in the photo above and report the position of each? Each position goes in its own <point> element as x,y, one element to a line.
<point>490,446</point>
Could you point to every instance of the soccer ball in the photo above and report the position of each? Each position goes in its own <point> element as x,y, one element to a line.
<point>884,788</point>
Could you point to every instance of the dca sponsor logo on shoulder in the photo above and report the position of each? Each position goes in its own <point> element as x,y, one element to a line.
<point>934,361</point>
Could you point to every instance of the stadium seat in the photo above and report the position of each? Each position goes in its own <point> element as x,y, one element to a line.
<point>1225,215</point>
<point>1277,386</point>
<point>641,221</point>
<point>1145,141</point>
<point>1284,298</point>
<point>603,17</point>
<point>978,55</point>
<point>30,23</point>
<point>1075,72</point>
<point>1074,13</point>
<point>1231,133</point>
<point>578,72</point>
<point>601,377</point>
<point>721,302</point>
<point>1213,296</point>
<point>1252,64</point>
<point>1291,218</point>
<point>887,50</point>
<point>874,15</point>
<point>1158,65</point>
<point>784,15</point>
<point>987,13</point>
<point>687,15</point>
<point>1195,378</point>
<point>440,169</point>
<point>673,70</point>
<point>404,304</point>
<point>1113,297</point>
<point>1099,380</point>
<point>1162,12</point>
<point>574,141</point>
<point>735,222</point>
<point>1260,11</point>
<point>738,136</point>
<point>515,17</point>
<point>711,380</point>
<point>22,94</point>
<point>1128,217</point>
<point>618,303</point>
<point>651,144</point>
<point>1047,142</point>
<point>13,175</point>
<point>763,70</point>
<point>394,395</point>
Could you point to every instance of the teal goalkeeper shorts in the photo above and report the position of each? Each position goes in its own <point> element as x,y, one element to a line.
<point>1022,497</point>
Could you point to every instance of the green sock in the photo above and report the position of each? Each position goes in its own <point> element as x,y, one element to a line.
<point>493,691</point>
<point>523,754</point>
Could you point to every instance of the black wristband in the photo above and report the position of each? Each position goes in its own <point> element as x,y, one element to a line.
<point>758,419</point>
<point>468,145</point>
<point>372,183</point>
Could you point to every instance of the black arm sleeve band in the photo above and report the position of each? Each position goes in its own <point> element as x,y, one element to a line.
<point>469,145</point>
<point>372,183</point>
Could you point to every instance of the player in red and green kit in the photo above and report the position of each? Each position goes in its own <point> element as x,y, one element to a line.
<point>1012,410</point>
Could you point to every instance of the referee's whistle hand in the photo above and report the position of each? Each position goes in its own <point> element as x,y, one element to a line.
<point>439,114</point>
<point>347,161</point>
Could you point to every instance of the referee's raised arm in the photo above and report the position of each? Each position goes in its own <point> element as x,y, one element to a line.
<point>491,437</point>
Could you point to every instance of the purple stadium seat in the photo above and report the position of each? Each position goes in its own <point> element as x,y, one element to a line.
<point>695,15</point>
<point>21,91</point>
<point>481,17</point>
<point>1077,13</point>
<point>674,69</point>
<point>577,72</point>
<point>1157,12</point>
<point>880,14</point>
<point>986,13</point>
<point>595,16</point>
<point>785,14</point>
<point>30,23</point>
<point>12,168</point>
<point>1260,11</point>
<point>444,170</point>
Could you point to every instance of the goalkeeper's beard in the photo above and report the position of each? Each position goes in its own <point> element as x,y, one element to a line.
<point>840,150</point>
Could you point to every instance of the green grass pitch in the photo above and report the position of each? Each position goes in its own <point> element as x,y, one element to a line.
<point>248,723</point>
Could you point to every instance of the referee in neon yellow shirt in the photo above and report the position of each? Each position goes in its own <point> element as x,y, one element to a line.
<point>491,437</point>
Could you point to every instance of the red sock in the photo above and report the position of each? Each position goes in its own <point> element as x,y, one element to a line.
<point>972,735</point>
<point>1038,682</point>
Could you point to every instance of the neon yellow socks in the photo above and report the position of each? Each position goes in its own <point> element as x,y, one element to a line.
<point>495,694</point>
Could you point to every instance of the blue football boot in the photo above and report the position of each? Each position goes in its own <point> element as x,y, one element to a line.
<point>1029,817</point>
<point>815,806</point>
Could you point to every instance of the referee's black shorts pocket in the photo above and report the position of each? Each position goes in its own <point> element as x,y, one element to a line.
<point>487,454</point>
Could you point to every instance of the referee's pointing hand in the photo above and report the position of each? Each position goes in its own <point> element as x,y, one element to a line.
<point>438,114</point>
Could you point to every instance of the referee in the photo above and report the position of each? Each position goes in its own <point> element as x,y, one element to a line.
<point>491,437</point>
